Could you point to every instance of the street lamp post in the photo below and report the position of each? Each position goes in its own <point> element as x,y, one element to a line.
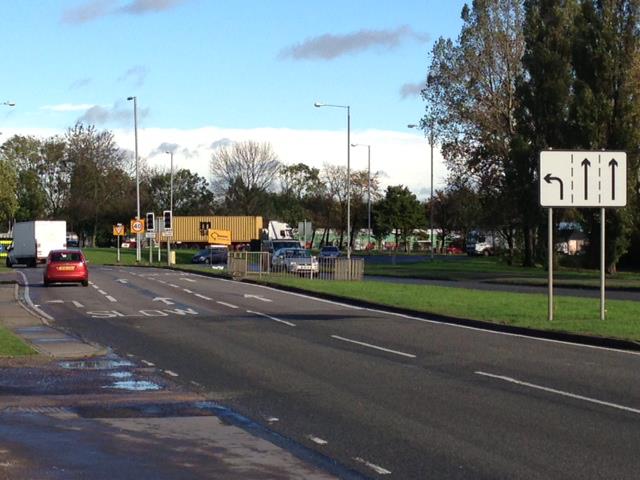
<point>9,103</point>
<point>348,108</point>
<point>413,125</point>
<point>170,208</point>
<point>135,129</point>
<point>368,189</point>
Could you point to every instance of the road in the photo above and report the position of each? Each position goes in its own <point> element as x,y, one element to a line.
<point>387,395</point>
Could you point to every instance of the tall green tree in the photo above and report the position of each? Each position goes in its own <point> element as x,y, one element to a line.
<point>8,187</point>
<point>605,113</point>
<point>401,211</point>
<point>191,193</point>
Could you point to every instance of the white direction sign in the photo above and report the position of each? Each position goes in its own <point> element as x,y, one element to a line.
<point>583,179</point>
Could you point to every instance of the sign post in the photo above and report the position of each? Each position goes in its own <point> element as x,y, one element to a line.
<point>580,179</point>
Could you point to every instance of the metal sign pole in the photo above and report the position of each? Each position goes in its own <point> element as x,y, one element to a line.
<point>150,250</point>
<point>602,261</point>
<point>550,258</point>
<point>118,240</point>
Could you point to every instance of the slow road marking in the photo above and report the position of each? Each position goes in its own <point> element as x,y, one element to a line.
<point>559,392</point>
<point>396,352</point>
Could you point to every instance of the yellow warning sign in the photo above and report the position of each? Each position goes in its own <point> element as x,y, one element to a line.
<point>220,237</point>
<point>118,230</point>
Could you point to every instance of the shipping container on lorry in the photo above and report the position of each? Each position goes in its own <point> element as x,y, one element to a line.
<point>32,241</point>
<point>193,230</point>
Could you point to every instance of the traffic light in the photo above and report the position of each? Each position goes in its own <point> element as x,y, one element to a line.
<point>168,223</point>
<point>151,224</point>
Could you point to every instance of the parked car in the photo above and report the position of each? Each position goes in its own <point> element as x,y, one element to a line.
<point>294,260</point>
<point>329,252</point>
<point>212,255</point>
<point>454,250</point>
<point>68,266</point>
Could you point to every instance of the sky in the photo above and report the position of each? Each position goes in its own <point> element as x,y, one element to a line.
<point>207,72</point>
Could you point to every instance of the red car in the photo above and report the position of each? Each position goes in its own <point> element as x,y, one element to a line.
<point>66,266</point>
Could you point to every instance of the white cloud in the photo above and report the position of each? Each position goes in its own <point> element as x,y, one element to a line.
<point>400,157</point>
<point>68,107</point>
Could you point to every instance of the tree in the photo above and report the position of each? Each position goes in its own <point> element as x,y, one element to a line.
<point>471,98</point>
<point>400,210</point>
<point>191,193</point>
<point>242,174</point>
<point>8,187</point>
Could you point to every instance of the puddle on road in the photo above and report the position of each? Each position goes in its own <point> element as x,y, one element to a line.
<point>95,364</point>
<point>135,385</point>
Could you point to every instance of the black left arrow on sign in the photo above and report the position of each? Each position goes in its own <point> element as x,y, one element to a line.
<point>613,164</point>
<point>548,178</point>
<point>586,164</point>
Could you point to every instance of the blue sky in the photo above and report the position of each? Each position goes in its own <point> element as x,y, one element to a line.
<point>204,70</point>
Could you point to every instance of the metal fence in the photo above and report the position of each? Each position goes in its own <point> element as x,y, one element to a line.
<point>259,264</point>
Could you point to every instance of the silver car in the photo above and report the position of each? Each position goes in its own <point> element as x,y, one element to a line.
<point>294,260</point>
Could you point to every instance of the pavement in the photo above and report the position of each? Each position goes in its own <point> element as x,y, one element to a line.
<point>77,410</point>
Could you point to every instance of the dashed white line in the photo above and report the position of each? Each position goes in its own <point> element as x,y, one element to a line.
<point>317,440</point>
<point>408,355</point>
<point>559,392</point>
<point>169,372</point>
<point>204,297</point>
<point>111,299</point>
<point>272,318</point>
<point>95,286</point>
<point>188,280</point>
<point>54,301</point>
<point>148,364</point>
<point>227,304</point>
<point>174,285</point>
<point>102,292</point>
<point>186,290</point>
<point>77,304</point>
<point>376,468</point>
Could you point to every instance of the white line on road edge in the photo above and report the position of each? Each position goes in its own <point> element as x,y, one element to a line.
<point>227,305</point>
<point>409,355</point>
<point>376,468</point>
<point>272,318</point>
<point>317,440</point>
<point>111,299</point>
<point>28,298</point>
<point>204,297</point>
<point>559,392</point>
<point>169,372</point>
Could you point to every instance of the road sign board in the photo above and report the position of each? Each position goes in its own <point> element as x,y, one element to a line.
<point>221,237</point>
<point>118,230</point>
<point>150,234</point>
<point>583,179</point>
<point>137,226</point>
<point>167,232</point>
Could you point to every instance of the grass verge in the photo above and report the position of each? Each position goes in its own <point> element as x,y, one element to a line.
<point>12,346</point>
<point>572,314</point>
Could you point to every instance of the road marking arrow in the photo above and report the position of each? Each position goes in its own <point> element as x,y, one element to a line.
<point>257,297</point>
<point>548,178</point>
<point>166,301</point>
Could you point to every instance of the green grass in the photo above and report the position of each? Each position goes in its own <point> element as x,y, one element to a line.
<point>572,314</point>
<point>109,256</point>
<point>493,269</point>
<point>12,346</point>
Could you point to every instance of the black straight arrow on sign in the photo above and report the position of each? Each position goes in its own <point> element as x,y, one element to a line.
<point>613,164</point>
<point>586,164</point>
<point>548,178</point>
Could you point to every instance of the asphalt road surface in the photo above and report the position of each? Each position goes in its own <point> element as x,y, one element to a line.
<point>387,395</point>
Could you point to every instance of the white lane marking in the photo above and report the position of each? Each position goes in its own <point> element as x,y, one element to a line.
<point>227,304</point>
<point>102,292</point>
<point>408,355</point>
<point>317,440</point>
<point>272,419</point>
<point>272,318</point>
<point>27,297</point>
<point>77,304</point>
<point>162,281</point>
<point>148,364</point>
<point>54,301</point>
<point>559,392</point>
<point>188,279</point>
<point>169,372</point>
<point>186,290</point>
<point>257,297</point>
<point>436,322</point>
<point>166,301</point>
<point>376,468</point>
<point>122,281</point>
<point>95,286</point>
<point>111,299</point>
<point>174,285</point>
<point>204,297</point>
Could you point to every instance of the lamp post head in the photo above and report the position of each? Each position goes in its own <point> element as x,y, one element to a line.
<point>318,104</point>
<point>412,125</point>
<point>131,98</point>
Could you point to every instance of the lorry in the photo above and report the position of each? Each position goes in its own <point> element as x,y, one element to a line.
<point>484,243</point>
<point>32,241</point>
<point>278,235</point>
